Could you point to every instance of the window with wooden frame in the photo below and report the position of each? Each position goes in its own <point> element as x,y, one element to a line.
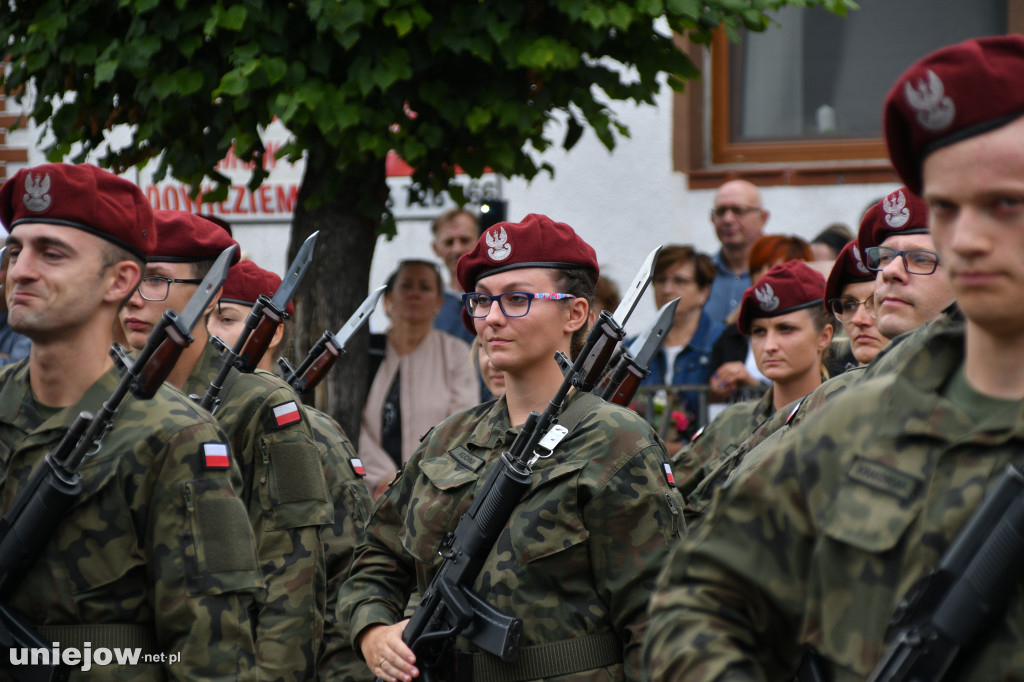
<point>802,102</point>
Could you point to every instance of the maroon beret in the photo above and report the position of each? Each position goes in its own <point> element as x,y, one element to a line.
<point>848,269</point>
<point>788,286</point>
<point>84,197</point>
<point>183,237</point>
<point>536,242</point>
<point>901,212</point>
<point>246,281</point>
<point>953,93</point>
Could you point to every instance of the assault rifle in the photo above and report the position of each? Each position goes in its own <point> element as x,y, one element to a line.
<point>629,369</point>
<point>266,316</point>
<point>28,526</point>
<point>329,348</point>
<point>975,576</point>
<point>449,606</point>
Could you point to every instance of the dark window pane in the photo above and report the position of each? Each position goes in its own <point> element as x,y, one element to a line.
<point>819,76</point>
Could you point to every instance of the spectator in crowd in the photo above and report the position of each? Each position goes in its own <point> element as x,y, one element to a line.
<point>13,346</point>
<point>789,328</point>
<point>685,356</point>
<point>734,373</point>
<point>830,241</point>
<point>739,218</point>
<point>850,293</point>
<point>421,374</point>
<point>455,232</point>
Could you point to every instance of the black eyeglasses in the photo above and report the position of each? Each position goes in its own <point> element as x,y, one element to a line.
<point>845,307</point>
<point>154,288</point>
<point>915,261</point>
<point>512,303</point>
<point>718,212</point>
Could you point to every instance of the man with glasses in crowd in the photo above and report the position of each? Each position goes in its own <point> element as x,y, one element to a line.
<point>739,218</point>
<point>284,485</point>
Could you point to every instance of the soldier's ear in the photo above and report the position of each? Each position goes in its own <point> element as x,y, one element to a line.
<point>579,314</point>
<point>124,277</point>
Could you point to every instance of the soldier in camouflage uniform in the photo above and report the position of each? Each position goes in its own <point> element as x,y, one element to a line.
<point>816,545</point>
<point>157,552</point>
<point>576,561</point>
<point>790,329</point>
<point>283,479</point>
<point>907,300</point>
<point>344,471</point>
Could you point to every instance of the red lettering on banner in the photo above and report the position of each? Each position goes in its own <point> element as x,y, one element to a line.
<point>271,200</point>
<point>171,199</point>
<point>287,197</point>
<point>239,196</point>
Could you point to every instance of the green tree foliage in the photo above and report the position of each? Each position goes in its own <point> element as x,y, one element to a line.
<point>445,83</point>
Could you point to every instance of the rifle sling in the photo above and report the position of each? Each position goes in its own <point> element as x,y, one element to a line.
<point>106,636</point>
<point>566,657</point>
<point>580,408</point>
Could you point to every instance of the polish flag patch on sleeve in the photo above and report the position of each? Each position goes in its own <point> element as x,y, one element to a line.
<point>668,474</point>
<point>215,456</point>
<point>286,414</point>
<point>357,466</point>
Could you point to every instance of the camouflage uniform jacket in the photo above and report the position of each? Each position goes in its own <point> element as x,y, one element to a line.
<point>716,441</point>
<point>818,543</point>
<point>352,503</point>
<point>155,539</point>
<point>891,359</point>
<point>579,555</point>
<point>286,494</point>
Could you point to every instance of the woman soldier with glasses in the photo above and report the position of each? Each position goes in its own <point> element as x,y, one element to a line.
<point>850,292</point>
<point>582,549</point>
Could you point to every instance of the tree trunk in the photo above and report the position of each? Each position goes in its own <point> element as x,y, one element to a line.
<point>338,279</point>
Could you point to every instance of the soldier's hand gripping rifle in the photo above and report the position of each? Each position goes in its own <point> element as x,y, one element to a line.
<point>449,606</point>
<point>322,355</point>
<point>29,525</point>
<point>266,316</point>
<point>972,583</point>
<point>629,369</point>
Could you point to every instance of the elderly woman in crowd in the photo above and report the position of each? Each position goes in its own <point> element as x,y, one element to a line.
<point>422,376</point>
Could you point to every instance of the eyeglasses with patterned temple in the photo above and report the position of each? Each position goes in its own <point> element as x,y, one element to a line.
<point>155,288</point>
<point>845,307</point>
<point>512,303</point>
<point>915,261</point>
<point>718,212</point>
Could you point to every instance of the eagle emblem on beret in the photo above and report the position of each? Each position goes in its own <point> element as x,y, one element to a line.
<point>896,212</point>
<point>497,241</point>
<point>36,196</point>
<point>859,261</point>
<point>766,297</point>
<point>935,111</point>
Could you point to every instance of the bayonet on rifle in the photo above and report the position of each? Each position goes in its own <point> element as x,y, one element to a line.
<point>263,320</point>
<point>631,368</point>
<point>328,348</point>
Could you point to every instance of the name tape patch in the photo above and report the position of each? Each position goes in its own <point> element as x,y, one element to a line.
<point>883,478</point>
<point>466,458</point>
<point>216,456</point>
